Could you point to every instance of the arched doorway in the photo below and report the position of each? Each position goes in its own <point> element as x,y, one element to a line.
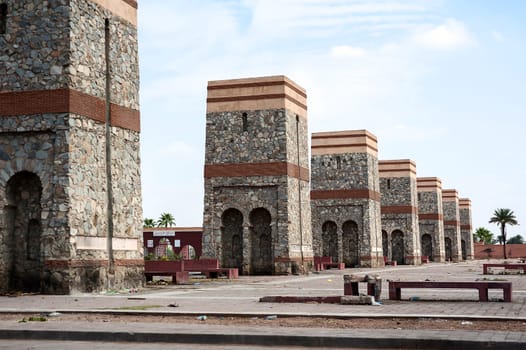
<point>24,232</point>
<point>351,244</point>
<point>187,252</point>
<point>397,247</point>
<point>261,260</point>
<point>427,246</point>
<point>232,238</point>
<point>329,237</point>
<point>448,248</point>
<point>385,244</point>
<point>464,252</point>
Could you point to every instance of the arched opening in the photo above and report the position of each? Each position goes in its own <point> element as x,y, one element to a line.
<point>329,237</point>
<point>187,252</point>
<point>385,244</point>
<point>427,246</point>
<point>397,247</point>
<point>351,244</point>
<point>232,238</point>
<point>464,252</point>
<point>448,248</point>
<point>262,262</point>
<point>3,18</point>
<point>22,239</point>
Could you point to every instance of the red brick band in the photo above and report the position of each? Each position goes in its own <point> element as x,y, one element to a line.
<point>257,169</point>
<point>345,194</point>
<point>67,101</point>
<point>256,97</point>
<point>430,217</point>
<point>257,84</point>
<point>451,223</point>
<point>296,260</point>
<point>324,136</point>
<point>399,209</point>
<point>345,145</point>
<point>132,3</point>
<point>92,263</point>
<point>465,227</point>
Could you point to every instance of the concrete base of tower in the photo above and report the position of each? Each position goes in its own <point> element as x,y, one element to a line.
<point>293,266</point>
<point>413,260</point>
<point>372,261</point>
<point>439,258</point>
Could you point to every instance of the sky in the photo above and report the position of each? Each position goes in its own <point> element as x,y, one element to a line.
<point>441,82</point>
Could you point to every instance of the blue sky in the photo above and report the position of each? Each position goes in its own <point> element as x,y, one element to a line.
<point>440,82</point>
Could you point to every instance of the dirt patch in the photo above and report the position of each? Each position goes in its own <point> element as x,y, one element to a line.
<point>304,322</point>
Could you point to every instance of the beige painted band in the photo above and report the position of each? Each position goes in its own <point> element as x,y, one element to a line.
<point>100,243</point>
<point>395,173</point>
<point>428,189</point>
<point>253,105</point>
<point>322,150</point>
<point>119,8</point>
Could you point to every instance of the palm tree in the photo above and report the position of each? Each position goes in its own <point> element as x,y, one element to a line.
<point>165,220</point>
<point>484,235</point>
<point>149,223</point>
<point>503,217</point>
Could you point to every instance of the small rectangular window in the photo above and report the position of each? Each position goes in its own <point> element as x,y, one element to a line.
<point>3,18</point>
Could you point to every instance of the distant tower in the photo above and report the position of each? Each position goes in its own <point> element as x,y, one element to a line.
<point>257,204</point>
<point>400,233</point>
<point>466,230</point>
<point>451,225</point>
<point>431,218</point>
<point>345,197</point>
<point>70,189</point>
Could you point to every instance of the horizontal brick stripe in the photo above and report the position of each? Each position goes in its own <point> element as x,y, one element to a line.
<point>256,169</point>
<point>257,84</point>
<point>67,101</point>
<point>132,3</point>
<point>345,145</point>
<point>256,97</point>
<point>465,227</point>
<point>451,223</point>
<point>398,209</point>
<point>342,135</point>
<point>92,263</point>
<point>430,216</point>
<point>345,194</point>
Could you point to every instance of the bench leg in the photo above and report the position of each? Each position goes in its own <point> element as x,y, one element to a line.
<point>485,270</point>
<point>395,293</point>
<point>507,294</point>
<point>483,294</point>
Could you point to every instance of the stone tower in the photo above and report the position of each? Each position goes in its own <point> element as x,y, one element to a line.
<point>257,204</point>
<point>345,197</point>
<point>466,233</point>
<point>452,241</point>
<point>70,189</point>
<point>431,218</point>
<point>399,208</point>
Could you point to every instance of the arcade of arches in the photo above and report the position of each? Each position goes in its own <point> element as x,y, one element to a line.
<point>348,240</point>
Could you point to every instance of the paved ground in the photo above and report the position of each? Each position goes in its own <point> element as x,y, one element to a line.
<point>241,297</point>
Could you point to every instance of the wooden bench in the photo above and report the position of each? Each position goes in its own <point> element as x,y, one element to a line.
<point>424,259</point>
<point>505,266</point>
<point>175,269</point>
<point>395,287</point>
<point>374,285</point>
<point>388,262</point>
<point>325,262</point>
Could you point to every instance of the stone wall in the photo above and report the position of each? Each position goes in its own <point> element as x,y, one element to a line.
<point>399,208</point>
<point>256,166</point>
<point>345,197</point>
<point>53,83</point>
<point>431,218</point>
<point>452,236</point>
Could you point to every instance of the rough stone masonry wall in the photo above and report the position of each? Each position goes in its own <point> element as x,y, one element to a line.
<point>431,203</point>
<point>466,231</point>
<point>452,231</point>
<point>355,171</point>
<point>401,192</point>
<point>38,143</point>
<point>267,138</point>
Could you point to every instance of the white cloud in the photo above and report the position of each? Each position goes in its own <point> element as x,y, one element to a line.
<point>344,51</point>
<point>450,35</point>
<point>497,36</point>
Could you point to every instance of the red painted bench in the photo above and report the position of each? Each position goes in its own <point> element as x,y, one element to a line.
<point>387,262</point>
<point>424,259</point>
<point>175,269</point>
<point>325,262</point>
<point>505,266</point>
<point>395,287</point>
<point>210,268</point>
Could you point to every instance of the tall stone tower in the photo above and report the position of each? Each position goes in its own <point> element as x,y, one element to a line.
<point>257,204</point>
<point>399,207</point>
<point>431,218</point>
<point>70,189</point>
<point>345,197</point>
<point>452,239</point>
<point>466,233</point>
